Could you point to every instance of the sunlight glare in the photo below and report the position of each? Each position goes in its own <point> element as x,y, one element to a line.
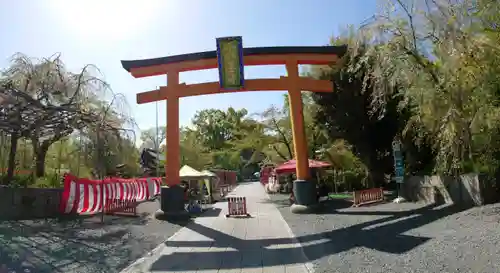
<point>106,20</point>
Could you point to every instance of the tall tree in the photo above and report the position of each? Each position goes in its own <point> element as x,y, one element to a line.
<point>315,135</point>
<point>192,151</point>
<point>277,124</point>
<point>55,102</point>
<point>441,58</point>
<point>154,136</point>
<point>216,127</point>
<point>346,114</point>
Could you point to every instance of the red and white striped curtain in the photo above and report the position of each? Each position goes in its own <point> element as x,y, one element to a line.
<point>87,197</point>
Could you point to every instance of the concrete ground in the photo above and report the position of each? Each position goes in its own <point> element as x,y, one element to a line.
<point>81,246</point>
<point>389,237</point>
<point>214,243</point>
<point>405,237</point>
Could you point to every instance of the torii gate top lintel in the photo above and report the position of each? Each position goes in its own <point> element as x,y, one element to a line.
<point>289,56</point>
<point>320,55</point>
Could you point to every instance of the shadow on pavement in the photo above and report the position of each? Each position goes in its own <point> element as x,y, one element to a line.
<point>77,245</point>
<point>325,207</point>
<point>50,246</point>
<point>210,212</point>
<point>280,203</point>
<point>274,252</point>
<point>331,206</point>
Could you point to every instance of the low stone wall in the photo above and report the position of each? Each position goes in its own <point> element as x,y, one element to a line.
<point>29,203</point>
<point>468,189</point>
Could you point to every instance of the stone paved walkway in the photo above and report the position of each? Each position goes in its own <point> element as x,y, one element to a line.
<point>262,243</point>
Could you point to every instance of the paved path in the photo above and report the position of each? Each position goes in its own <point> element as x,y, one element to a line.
<point>262,243</point>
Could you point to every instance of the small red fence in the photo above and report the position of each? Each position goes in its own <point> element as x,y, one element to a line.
<point>369,196</point>
<point>226,177</point>
<point>237,206</point>
<point>121,207</point>
<point>224,189</point>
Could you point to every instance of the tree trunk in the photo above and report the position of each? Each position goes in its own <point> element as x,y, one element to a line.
<point>285,139</point>
<point>12,157</point>
<point>335,179</point>
<point>376,171</point>
<point>280,154</point>
<point>377,177</point>
<point>41,153</point>
<point>3,150</point>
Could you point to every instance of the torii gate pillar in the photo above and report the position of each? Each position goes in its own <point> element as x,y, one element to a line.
<point>304,191</point>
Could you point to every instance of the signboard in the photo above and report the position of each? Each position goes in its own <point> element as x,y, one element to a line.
<point>230,63</point>
<point>399,168</point>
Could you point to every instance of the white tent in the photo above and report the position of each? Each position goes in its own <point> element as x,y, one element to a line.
<point>196,178</point>
<point>189,173</point>
<point>210,179</point>
<point>208,173</point>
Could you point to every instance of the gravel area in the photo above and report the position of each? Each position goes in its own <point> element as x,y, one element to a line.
<point>80,246</point>
<point>390,237</point>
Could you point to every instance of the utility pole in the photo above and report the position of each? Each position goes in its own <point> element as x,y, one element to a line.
<point>157,144</point>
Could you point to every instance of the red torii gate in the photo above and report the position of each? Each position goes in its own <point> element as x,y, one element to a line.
<point>291,57</point>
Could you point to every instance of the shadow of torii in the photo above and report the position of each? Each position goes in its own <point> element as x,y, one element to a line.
<point>276,252</point>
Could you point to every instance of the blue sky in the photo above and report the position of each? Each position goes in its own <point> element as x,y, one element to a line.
<point>103,32</point>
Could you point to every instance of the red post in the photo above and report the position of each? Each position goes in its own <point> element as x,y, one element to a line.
<point>102,200</point>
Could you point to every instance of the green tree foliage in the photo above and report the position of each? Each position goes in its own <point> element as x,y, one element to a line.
<point>192,151</point>
<point>442,60</point>
<point>347,114</point>
<point>276,124</point>
<point>216,127</point>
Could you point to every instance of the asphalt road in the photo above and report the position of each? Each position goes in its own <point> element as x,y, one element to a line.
<point>398,238</point>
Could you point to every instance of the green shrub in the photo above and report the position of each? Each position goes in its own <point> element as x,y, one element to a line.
<point>53,180</point>
<point>17,181</point>
<point>345,180</point>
